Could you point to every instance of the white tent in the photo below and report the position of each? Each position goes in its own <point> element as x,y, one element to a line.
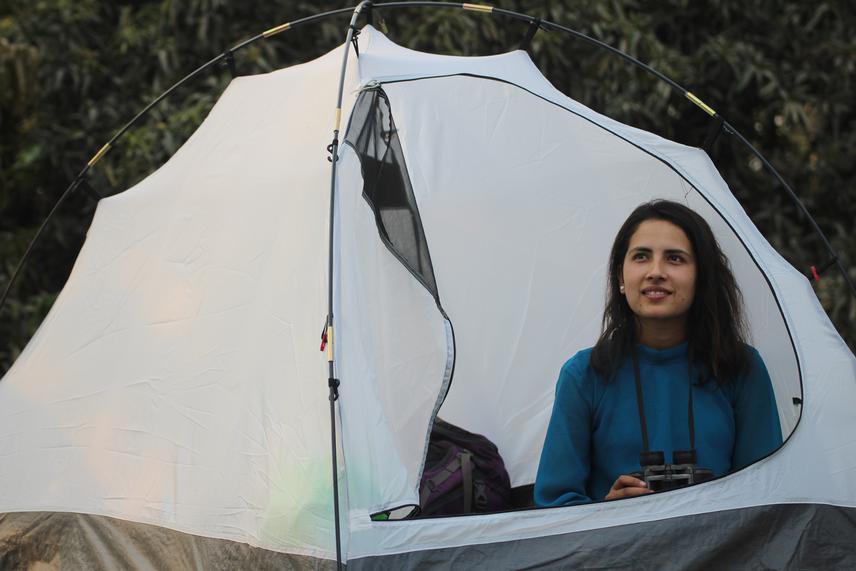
<point>172,409</point>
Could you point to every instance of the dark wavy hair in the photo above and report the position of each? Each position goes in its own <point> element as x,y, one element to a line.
<point>715,325</point>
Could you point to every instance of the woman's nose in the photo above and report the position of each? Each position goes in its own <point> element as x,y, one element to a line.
<point>656,269</point>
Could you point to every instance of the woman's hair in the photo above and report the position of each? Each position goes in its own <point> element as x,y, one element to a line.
<point>715,327</point>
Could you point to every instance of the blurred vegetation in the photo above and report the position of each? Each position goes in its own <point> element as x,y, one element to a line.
<point>72,72</point>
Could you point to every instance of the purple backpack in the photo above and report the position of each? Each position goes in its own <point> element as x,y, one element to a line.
<point>464,473</point>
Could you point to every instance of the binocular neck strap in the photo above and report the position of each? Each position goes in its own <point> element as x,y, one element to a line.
<point>643,425</point>
<point>640,402</point>
<point>690,416</point>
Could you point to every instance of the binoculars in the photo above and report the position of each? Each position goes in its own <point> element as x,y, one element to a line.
<point>660,476</point>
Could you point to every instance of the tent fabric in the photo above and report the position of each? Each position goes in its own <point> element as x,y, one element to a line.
<point>783,536</point>
<point>514,329</point>
<point>394,358</point>
<point>53,540</point>
<point>177,380</point>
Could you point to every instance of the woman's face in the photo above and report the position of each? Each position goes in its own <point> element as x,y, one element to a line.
<point>659,274</point>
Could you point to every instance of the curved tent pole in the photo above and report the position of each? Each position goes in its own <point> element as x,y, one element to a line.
<point>533,21</point>
<point>728,127</point>
<point>81,176</point>
<point>332,381</point>
<point>367,6</point>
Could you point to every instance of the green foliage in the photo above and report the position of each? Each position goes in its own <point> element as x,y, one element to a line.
<point>73,72</point>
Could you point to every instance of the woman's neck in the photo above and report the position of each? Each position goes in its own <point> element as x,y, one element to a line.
<point>661,334</point>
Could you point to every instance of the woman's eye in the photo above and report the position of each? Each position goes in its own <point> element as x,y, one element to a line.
<point>675,258</point>
<point>639,256</point>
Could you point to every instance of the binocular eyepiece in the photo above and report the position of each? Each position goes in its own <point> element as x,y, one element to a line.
<point>660,476</point>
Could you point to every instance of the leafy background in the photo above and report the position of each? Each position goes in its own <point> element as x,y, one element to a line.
<point>72,72</point>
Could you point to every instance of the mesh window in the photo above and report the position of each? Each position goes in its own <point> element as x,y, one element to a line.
<point>386,184</point>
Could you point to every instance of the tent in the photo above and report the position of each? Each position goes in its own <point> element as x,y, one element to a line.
<point>172,409</point>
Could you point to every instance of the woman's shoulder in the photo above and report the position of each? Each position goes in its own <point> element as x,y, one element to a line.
<point>579,364</point>
<point>576,377</point>
<point>754,372</point>
<point>754,361</point>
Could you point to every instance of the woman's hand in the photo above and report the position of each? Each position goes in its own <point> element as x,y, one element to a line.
<point>626,487</point>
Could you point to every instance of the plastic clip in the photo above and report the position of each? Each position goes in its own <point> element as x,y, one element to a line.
<point>713,131</point>
<point>354,40</point>
<point>534,26</point>
<point>229,61</point>
<point>816,271</point>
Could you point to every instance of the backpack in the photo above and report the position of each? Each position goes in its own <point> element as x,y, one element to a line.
<point>464,473</point>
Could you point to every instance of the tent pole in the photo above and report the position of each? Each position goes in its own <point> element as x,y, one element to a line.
<point>483,8</point>
<point>136,119</point>
<point>332,381</point>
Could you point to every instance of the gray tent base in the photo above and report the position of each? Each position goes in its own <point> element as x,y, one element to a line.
<point>781,536</point>
<point>54,540</point>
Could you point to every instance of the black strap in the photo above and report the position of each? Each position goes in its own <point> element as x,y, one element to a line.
<point>354,40</point>
<point>690,415</point>
<point>713,131</point>
<point>229,61</point>
<point>467,473</point>
<point>369,13</point>
<point>640,403</point>
<point>534,26</point>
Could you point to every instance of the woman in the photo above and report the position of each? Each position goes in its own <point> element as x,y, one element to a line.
<point>674,310</point>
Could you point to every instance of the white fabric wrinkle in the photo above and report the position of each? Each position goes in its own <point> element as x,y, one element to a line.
<point>513,351</point>
<point>103,330</point>
<point>78,397</point>
<point>493,122</point>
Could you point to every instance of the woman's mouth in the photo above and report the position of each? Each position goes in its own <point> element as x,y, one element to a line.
<point>655,293</point>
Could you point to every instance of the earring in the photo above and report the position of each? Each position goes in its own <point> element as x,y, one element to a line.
<point>621,289</point>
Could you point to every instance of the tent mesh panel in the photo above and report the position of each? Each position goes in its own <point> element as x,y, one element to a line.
<point>386,184</point>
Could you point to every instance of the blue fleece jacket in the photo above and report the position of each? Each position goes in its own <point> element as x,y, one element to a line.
<point>594,434</point>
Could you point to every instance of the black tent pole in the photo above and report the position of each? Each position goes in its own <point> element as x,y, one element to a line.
<point>547,25</point>
<point>80,178</point>
<point>542,24</point>
<point>366,4</point>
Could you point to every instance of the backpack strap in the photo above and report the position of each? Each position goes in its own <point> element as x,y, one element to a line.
<point>467,472</point>
<point>432,483</point>
<point>463,462</point>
